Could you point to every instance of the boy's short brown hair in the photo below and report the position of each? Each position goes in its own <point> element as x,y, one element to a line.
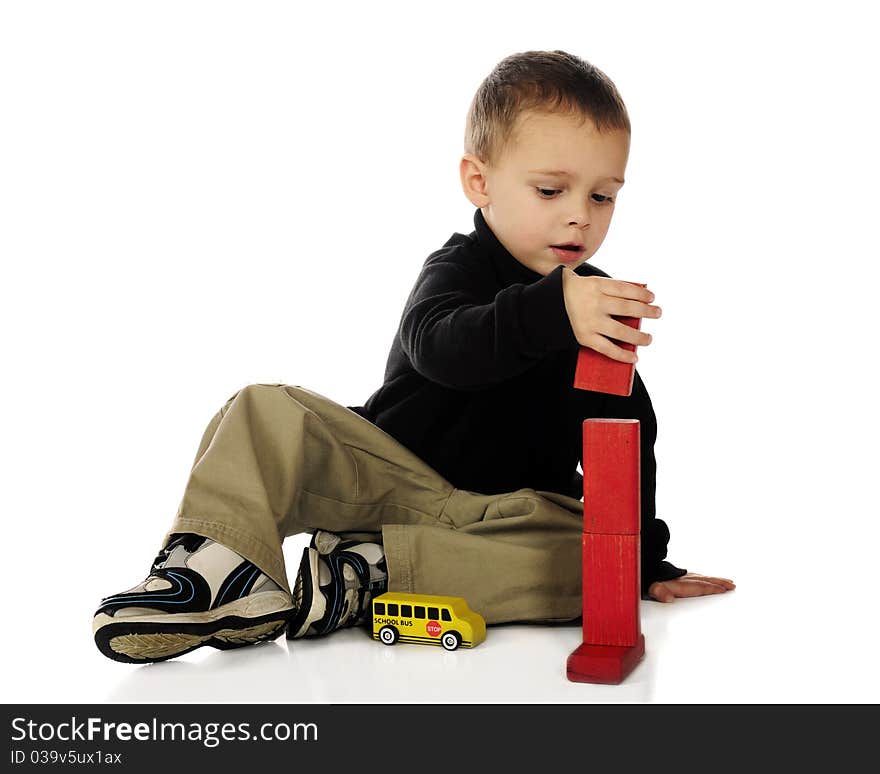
<point>543,81</point>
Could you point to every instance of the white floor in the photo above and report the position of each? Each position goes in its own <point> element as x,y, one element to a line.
<point>736,647</point>
<point>521,664</point>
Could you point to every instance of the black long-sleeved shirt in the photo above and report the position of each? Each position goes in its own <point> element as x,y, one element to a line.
<point>479,382</point>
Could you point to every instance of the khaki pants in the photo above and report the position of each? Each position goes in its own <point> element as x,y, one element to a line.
<point>278,460</point>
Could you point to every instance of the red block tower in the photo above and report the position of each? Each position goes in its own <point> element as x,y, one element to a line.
<point>612,639</point>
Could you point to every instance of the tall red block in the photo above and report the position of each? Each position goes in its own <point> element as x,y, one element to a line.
<point>612,483</point>
<point>600,373</point>
<point>611,588</point>
<point>612,639</point>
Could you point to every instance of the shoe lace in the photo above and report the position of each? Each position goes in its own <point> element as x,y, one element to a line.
<point>189,540</point>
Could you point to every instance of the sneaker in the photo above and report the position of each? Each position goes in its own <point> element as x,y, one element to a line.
<point>336,581</point>
<point>198,592</point>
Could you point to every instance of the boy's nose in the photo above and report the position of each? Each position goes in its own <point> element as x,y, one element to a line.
<point>580,219</point>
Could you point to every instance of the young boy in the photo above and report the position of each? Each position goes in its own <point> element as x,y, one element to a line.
<point>458,476</point>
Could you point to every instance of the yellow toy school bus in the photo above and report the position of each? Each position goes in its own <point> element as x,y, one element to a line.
<point>426,619</point>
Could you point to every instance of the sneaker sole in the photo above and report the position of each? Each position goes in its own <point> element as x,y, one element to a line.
<point>149,638</point>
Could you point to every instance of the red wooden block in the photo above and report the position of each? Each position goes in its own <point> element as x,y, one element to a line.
<point>612,483</point>
<point>607,664</point>
<point>612,589</point>
<point>600,373</point>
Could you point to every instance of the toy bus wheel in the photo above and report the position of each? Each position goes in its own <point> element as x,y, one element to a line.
<point>451,640</point>
<point>388,635</point>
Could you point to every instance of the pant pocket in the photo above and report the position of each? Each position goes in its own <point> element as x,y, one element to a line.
<point>464,507</point>
<point>523,509</point>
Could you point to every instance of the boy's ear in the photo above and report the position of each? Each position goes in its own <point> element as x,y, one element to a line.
<point>473,180</point>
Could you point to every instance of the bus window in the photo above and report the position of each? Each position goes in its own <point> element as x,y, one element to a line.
<point>420,611</point>
<point>433,613</point>
<point>379,607</point>
<point>392,609</point>
<point>444,615</point>
<point>406,611</point>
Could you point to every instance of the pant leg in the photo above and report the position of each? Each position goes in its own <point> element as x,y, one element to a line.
<point>513,556</point>
<point>279,459</point>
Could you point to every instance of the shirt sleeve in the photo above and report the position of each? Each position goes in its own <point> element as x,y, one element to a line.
<point>454,337</point>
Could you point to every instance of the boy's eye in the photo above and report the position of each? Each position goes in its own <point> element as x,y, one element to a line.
<point>547,193</point>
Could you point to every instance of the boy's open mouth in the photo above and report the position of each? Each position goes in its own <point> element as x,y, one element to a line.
<point>567,252</point>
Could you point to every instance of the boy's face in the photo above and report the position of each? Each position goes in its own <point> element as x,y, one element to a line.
<point>529,209</point>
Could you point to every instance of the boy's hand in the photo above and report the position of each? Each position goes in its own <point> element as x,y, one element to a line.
<point>690,585</point>
<point>590,302</point>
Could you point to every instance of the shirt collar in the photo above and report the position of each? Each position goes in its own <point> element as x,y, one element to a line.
<point>510,270</point>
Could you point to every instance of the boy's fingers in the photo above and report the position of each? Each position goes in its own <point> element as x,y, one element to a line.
<point>617,330</point>
<point>609,349</point>
<point>695,587</point>
<point>623,289</point>
<point>712,579</point>
<point>626,308</point>
<point>690,585</point>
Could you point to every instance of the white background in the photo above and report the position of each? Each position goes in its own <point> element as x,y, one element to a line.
<point>196,196</point>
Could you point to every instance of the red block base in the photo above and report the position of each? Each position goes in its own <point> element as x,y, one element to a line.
<point>608,664</point>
